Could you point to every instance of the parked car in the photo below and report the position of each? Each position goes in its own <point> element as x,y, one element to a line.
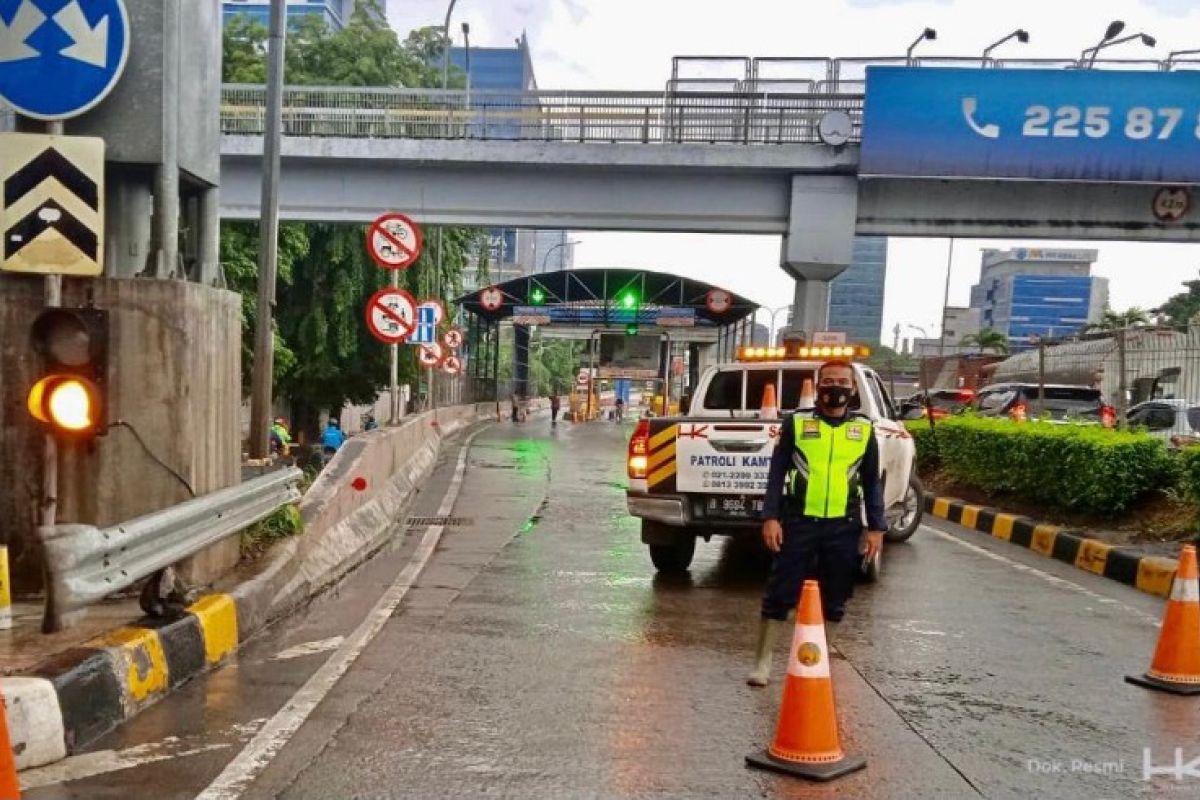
<point>941,403</point>
<point>1060,403</point>
<point>1177,421</point>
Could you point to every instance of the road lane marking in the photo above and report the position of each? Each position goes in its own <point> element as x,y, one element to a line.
<point>308,649</point>
<point>266,744</point>
<point>101,762</point>
<point>1054,580</point>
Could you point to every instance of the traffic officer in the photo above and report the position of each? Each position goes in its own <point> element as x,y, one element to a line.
<point>824,470</point>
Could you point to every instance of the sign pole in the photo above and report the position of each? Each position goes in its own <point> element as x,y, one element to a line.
<point>268,247</point>
<point>394,384</point>
<point>52,290</point>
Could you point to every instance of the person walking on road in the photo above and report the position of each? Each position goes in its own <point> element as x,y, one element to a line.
<point>825,469</point>
<point>516,408</point>
<point>555,405</point>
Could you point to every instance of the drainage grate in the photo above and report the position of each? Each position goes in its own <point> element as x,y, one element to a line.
<point>445,522</point>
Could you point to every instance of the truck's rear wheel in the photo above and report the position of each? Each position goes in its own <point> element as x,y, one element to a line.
<point>671,550</point>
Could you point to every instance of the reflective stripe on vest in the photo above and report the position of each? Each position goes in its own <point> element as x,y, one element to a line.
<point>826,464</point>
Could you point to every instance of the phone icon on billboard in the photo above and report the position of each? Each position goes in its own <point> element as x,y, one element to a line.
<point>989,131</point>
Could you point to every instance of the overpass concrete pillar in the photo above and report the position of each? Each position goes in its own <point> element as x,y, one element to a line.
<point>818,244</point>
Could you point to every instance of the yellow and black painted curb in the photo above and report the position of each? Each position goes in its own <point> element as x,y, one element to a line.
<point>1150,574</point>
<point>114,676</point>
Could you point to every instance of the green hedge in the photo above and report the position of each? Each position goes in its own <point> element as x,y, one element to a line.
<point>1188,469</point>
<point>1078,467</point>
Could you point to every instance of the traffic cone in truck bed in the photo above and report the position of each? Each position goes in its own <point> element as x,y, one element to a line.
<point>808,396</point>
<point>1176,664</point>
<point>806,740</point>
<point>770,408</point>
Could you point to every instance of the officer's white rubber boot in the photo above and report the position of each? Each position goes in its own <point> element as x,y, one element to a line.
<point>768,635</point>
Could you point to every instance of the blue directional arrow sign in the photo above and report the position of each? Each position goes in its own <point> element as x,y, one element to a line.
<point>59,58</point>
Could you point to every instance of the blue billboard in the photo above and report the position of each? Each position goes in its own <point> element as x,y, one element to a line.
<point>1071,125</point>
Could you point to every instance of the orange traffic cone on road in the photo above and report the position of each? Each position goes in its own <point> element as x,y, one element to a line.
<point>806,740</point>
<point>770,408</point>
<point>10,788</point>
<point>808,396</point>
<point>1176,664</point>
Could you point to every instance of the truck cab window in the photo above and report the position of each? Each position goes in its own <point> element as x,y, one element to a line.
<point>724,391</point>
<point>756,384</point>
<point>793,385</point>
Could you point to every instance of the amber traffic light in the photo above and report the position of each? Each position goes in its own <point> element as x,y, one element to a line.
<point>69,396</point>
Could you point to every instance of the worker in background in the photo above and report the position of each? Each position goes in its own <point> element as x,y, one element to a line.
<point>555,406</point>
<point>332,438</point>
<point>825,469</point>
<point>281,439</point>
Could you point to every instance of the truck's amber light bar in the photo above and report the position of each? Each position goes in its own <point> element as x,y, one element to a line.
<point>802,352</point>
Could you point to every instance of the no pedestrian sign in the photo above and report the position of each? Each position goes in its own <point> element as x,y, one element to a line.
<point>59,59</point>
<point>394,241</point>
<point>391,315</point>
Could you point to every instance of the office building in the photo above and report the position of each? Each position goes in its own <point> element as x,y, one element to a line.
<point>1031,293</point>
<point>856,296</point>
<point>336,13</point>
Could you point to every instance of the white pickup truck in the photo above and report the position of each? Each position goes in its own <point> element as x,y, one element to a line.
<point>705,473</point>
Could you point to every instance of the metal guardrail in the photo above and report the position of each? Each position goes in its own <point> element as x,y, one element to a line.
<point>85,563</point>
<point>710,116</point>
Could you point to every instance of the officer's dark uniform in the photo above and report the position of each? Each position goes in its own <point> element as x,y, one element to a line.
<point>821,472</point>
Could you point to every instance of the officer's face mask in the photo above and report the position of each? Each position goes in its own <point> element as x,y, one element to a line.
<point>835,398</point>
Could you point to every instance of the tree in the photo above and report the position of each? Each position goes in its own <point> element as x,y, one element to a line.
<point>986,339</point>
<point>324,357</point>
<point>1183,308</point>
<point>1117,321</point>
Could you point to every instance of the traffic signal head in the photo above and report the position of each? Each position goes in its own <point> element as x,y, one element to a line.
<point>68,398</point>
<point>537,296</point>
<point>628,299</point>
<point>631,329</point>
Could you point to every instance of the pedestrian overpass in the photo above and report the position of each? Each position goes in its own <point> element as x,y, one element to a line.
<point>760,155</point>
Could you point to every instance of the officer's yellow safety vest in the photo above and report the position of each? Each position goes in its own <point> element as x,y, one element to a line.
<point>824,475</point>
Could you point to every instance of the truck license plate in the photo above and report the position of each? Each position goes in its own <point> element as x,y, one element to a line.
<point>738,507</point>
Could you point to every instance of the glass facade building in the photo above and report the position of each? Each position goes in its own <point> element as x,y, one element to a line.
<point>335,12</point>
<point>856,296</point>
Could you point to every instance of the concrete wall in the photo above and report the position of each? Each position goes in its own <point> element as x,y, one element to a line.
<point>174,374</point>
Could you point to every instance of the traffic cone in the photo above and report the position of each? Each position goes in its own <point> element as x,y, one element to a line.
<point>1176,664</point>
<point>806,740</point>
<point>770,408</point>
<point>808,396</point>
<point>10,787</point>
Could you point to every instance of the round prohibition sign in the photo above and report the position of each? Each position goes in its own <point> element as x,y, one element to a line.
<point>453,338</point>
<point>452,365</point>
<point>718,301</point>
<point>430,355</point>
<point>491,298</point>
<point>391,315</point>
<point>394,241</point>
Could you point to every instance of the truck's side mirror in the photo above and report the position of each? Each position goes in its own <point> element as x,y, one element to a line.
<point>685,404</point>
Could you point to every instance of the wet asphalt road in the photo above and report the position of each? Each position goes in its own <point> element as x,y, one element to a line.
<point>538,655</point>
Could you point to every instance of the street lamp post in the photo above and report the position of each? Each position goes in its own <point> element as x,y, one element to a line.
<point>773,313</point>
<point>1114,28</point>
<point>1020,34</point>
<point>466,29</point>
<point>446,46</point>
<point>546,257</point>
<point>946,299</point>
<point>928,33</point>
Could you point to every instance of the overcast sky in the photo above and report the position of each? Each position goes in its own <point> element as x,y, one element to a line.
<point>628,44</point>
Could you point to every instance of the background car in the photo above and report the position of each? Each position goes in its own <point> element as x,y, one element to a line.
<point>1176,420</point>
<point>942,403</point>
<point>1058,404</point>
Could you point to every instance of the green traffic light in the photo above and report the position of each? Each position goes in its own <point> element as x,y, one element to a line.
<point>628,300</point>
<point>631,330</point>
<point>537,297</point>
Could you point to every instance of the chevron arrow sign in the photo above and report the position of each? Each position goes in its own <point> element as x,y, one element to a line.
<point>52,204</point>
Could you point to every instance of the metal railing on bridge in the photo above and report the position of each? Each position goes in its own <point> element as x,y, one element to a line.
<point>712,115</point>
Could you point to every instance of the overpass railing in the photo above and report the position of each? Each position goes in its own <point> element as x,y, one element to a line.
<point>683,114</point>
